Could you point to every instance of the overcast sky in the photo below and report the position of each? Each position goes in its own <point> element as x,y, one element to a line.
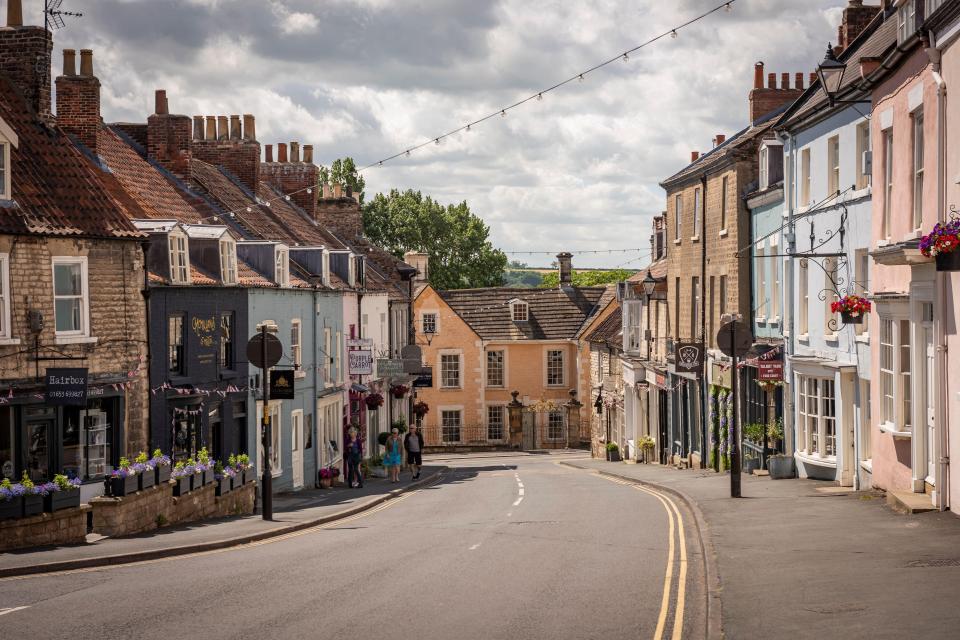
<point>367,78</point>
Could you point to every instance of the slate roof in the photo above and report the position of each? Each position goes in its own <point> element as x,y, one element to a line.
<point>554,314</point>
<point>610,330</point>
<point>56,191</point>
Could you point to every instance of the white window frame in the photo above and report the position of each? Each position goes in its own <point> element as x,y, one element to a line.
<point>296,347</point>
<point>178,251</point>
<point>916,122</point>
<point>84,331</point>
<point>276,424</point>
<point>906,21</point>
<point>886,221</point>
<point>863,146</point>
<point>546,367</point>
<point>297,441</point>
<point>519,311</point>
<point>697,202</point>
<point>774,281</point>
<point>829,279</point>
<point>436,321</point>
<point>803,289</point>
<point>503,368</point>
<point>228,261</point>
<point>805,179</point>
<point>281,265</point>
<point>764,168</point>
<point>504,421</point>
<point>816,438</point>
<point>678,217</point>
<point>760,274</point>
<point>446,353</point>
<point>325,265</point>
<point>339,357</point>
<point>833,165</point>
<point>724,187</point>
<point>8,141</point>
<point>327,356</point>
<point>6,331</point>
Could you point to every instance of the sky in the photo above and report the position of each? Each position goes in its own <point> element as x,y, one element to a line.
<point>576,171</point>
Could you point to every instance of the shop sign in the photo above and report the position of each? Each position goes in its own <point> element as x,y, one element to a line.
<point>661,381</point>
<point>360,362</point>
<point>67,387</point>
<point>359,343</point>
<point>281,384</point>
<point>690,357</point>
<point>424,379</point>
<point>769,371</point>
<point>389,368</point>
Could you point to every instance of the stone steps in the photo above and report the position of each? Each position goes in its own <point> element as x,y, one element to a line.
<point>909,502</point>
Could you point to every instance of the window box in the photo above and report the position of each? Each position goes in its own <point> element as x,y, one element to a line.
<point>249,475</point>
<point>182,485</point>
<point>32,505</point>
<point>161,474</point>
<point>12,508</point>
<point>224,486</point>
<point>146,479</point>
<point>206,477</point>
<point>120,487</point>
<point>58,500</point>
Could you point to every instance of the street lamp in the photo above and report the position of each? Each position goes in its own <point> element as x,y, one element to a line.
<point>649,283</point>
<point>830,72</point>
<point>429,332</point>
<point>266,482</point>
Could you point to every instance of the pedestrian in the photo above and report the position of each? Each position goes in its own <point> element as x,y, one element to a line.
<point>413,443</point>
<point>392,458</point>
<point>354,453</point>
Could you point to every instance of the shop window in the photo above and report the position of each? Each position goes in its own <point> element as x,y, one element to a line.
<point>87,439</point>
<point>215,423</point>
<point>817,413</point>
<point>226,341</point>
<point>175,354</point>
<point>7,444</point>
<point>240,425</point>
<point>187,421</point>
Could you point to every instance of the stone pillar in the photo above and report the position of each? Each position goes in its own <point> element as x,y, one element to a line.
<point>573,420</point>
<point>515,413</point>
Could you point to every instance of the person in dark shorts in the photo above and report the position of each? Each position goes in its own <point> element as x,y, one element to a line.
<point>413,443</point>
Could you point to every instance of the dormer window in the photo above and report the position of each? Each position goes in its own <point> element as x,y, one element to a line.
<point>179,257</point>
<point>326,268</point>
<point>228,261</point>
<point>519,311</point>
<point>352,271</point>
<point>8,141</point>
<point>771,163</point>
<point>906,20</point>
<point>282,268</point>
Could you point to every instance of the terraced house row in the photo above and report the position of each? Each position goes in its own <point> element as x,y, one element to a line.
<point>144,255</point>
<point>818,225</point>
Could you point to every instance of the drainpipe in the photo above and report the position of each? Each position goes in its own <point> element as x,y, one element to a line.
<point>704,431</point>
<point>790,238</point>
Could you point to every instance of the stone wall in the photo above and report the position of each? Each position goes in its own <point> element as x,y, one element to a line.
<point>158,507</point>
<point>68,526</point>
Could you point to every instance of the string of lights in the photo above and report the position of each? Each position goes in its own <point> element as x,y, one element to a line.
<point>573,251</point>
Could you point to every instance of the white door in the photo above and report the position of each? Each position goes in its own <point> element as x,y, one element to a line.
<point>296,448</point>
<point>930,394</point>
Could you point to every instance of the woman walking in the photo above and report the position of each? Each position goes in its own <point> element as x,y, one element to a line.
<point>354,454</point>
<point>392,458</point>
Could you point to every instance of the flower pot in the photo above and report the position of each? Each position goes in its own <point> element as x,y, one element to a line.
<point>848,318</point>
<point>12,508</point>
<point>161,474</point>
<point>120,487</point>
<point>224,486</point>
<point>378,472</point>
<point>326,483</point>
<point>181,485</point>
<point>613,456</point>
<point>750,465</point>
<point>780,467</point>
<point>57,500</point>
<point>32,505</point>
<point>147,479</point>
<point>949,261</point>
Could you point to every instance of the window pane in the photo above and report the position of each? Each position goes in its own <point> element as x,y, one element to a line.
<point>68,314</point>
<point>495,368</point>
<point>495,420</point>
<point>555,425</point>
<point>67,280</point>
<point>450,426</point>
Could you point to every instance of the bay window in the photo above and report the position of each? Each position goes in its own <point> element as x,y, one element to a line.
<point>817,411</point>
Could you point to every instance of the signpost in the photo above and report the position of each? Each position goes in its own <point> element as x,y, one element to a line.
<point>264,350</point>
<point>734,339</point>
<point>67,387</point>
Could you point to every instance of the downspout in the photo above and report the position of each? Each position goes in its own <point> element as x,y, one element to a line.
<point>145,292</point>
<point>790,237</point>
<point>314,436</point>
<point>704,435</point>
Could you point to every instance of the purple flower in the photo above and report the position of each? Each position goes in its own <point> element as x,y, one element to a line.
<point>160,461</point>
<point>44,488</point>
<point>122,472</point>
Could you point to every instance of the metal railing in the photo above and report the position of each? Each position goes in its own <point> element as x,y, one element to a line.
<point>465,435</point>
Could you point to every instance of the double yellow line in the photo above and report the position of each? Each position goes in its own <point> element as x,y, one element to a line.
<point>675,520</point>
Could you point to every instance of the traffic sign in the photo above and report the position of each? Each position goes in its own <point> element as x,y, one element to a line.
<point>255,350</point>
<point>735,336</point>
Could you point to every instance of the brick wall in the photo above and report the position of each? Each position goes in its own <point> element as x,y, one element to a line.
<point>169,142</point>
<point>68,526</point>
<point>78,108</point>
<point>340,214</point>
<point>239,157</point>
<point>25,60</point>
<point>294,178</point>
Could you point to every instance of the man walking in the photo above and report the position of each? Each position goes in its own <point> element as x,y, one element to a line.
<point>413,443</point>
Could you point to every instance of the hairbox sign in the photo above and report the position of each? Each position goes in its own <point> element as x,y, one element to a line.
<point>690,357</point>
<point>281,385</point>
<point>67,387</point>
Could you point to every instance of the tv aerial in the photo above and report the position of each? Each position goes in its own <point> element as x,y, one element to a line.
<point>53,14</point>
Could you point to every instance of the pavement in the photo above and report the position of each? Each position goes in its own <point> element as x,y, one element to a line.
<point>498,547</point>
<point>291,512</point>
<point>800,559</point>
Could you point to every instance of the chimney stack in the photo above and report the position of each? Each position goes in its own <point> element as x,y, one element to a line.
<point>160,102</point>
<point>198,127</point>
<point>758,75</point>
<point>289,175</point>
<point>719,140</point>
<point>14,13</point>
<point>294,152</point>
<point>308,154</point>
<point>763,100</point>
<point>565,262</point>
<point>211,128</point>
<point>856,17</point>
<point>78,99</point>
<point>223,129</point>
<point>694,156</point>
<point>420,262</point>
<point>784,80</point>
<point>235,133</point>
<point>268,153</point>
<point>249,127</point>
<point>25,59</point>
<point>813,77</point>
<point>281,152</point>
<point>170,137</point>
<point>798,80</point>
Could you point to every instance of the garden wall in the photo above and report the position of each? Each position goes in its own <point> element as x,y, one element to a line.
<point>68,526</point>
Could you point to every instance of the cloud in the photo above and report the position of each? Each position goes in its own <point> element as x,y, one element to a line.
<point>370,78</point>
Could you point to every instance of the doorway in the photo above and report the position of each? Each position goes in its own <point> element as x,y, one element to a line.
<point>929,394</point>
<point>35,440</point>
<point>296,447</point>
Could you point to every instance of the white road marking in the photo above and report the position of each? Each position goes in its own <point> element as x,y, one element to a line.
<point>518,501</point>
<point>520,491</point>
<point>474,546</point>
<point>520,484</point>
<point>509,513</point>
<point>7,610</point>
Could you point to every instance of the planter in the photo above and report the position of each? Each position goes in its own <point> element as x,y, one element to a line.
<point>12,508</point>
<point>949,261</point>
<point>32,505</point>
<point>161,474</point>
<point>848,318</point>
<point>326,483</point>
<point>613,456</point>
<point>750,465</point>
<point>120,487</point>
<point>57,500</point>
<point>147,479</point>
<point>224,486</point>
<point>378,472</point>
<point>182,485</point>
<point>780,467</point>
<point>247,475</point>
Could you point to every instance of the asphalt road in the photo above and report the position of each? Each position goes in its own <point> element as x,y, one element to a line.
<point>501,547</point>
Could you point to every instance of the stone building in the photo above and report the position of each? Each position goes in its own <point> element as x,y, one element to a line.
<point>601,344</point>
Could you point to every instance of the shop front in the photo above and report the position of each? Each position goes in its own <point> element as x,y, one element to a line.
<point>686,425</point>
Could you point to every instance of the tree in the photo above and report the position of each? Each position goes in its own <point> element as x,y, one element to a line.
<point>456,240</point>
<point>344,173</point>
<point>592,278</point>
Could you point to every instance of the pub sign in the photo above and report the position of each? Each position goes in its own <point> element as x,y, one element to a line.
<point>281,384</point>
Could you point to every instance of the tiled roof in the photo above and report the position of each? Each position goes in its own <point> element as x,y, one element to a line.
<point>554,314</point>
<point>609,295</point>
<point>56,190</point>
<point>610,330</point>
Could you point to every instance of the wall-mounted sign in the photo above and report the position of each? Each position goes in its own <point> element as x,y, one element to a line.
<point>206,330</point>
<point>67,387</point>
<point>388,368</point>
<point>690,357</point>
<point>360,362</point>
<point>769,370</point>
<point>281,384</point>
<point>424,379</point>
<point>365,343</point>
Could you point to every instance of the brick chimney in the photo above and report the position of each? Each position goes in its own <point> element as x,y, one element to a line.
<point>763,100</point>
<point>293,177</point>
<point>339,213</point>
<point>231,143</point>
<point>565,265</point>
<point>169,137</point>
<point>856,17</point>
<point>420,262</point>
<point>78,98</point>
<point>25,58</point>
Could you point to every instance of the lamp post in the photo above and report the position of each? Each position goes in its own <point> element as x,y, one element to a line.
<point>830,72</point>
<point>649,283</point>
<point>266,482</point>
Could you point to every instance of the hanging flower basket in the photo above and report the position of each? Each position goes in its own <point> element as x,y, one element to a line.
<point>942,244</point>
<point>421,409</point>
<point>399,390</point>
<point>851,308</point>
<point>374,400</point>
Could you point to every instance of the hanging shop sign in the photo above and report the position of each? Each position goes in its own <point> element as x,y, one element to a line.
<point>67,387</point>
<point>360,362</point>
<point>389,368</point>
<point>769,370</point>
<point>359,343</point>
<point>690,357</point>
<point>424,379</point>
<point>281,384</point>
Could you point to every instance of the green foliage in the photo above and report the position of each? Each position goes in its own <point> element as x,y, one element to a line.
<point>456,240</point>
<point>775,430</point>
<point>26,482</point>
<point>344,173</point>
<point>646,443</point>
<point>204,456</point>
<point>612,446</point>
<point>141,458</point>
<point>62,482</point>
<point>588,278</point>
<point>754,431</point>
<point>514,277</point>
<point>124,463</point>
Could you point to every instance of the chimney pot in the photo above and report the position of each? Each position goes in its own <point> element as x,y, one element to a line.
<point>784,80</point>
<point>771,81</point>
<point>758,75</point>
<point>249,127</point>
<point>337,191</point>
<point>813,77</point>
<point>268,150</point>
<point>721,138</point>
<point>294,151</point>
<point>211,128</point>
<point>798,80</point>
<point>223,129</point>
<point>160,102</point>
<point>86,62</point>
<point>235,133</point>
<point>198,127</point>
<point>308,153</point>
<point>14,13</point>
<point>694,155</point>
<point>281,152</point>
<point>69,62</point>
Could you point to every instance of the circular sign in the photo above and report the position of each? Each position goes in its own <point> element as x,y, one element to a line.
<point>734,338</point>
<point>255,350</point>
